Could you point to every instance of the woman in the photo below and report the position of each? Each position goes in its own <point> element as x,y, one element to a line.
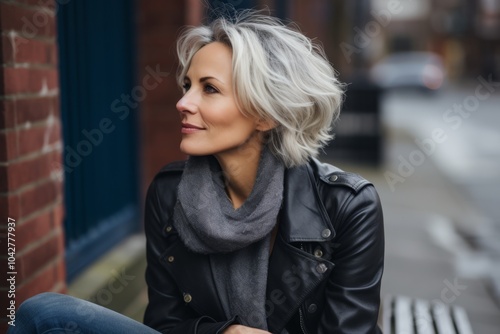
<point>252,234</point>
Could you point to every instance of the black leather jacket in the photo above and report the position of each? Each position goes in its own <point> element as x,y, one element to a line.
<point>324,271</point>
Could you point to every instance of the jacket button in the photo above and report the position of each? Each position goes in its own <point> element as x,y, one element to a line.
<point>333,178</point>
<point>326,233</point>
<point>312,308</point>
<point>318,252</point>
<point>321,268</point>
<point>187,298</point>
<point>170,259</point>
<point>168,229</point>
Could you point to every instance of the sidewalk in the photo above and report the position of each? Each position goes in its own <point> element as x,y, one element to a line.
<point>425,257</point>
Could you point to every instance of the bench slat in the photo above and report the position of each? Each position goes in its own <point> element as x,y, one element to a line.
<point>442,317</point>
<point>423,318</point>
<point>404,316</point>
<point>462,321</point>
<point>387,314</point>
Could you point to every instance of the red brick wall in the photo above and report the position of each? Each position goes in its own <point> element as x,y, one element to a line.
<point>159,23</point>
<point>30,151</point>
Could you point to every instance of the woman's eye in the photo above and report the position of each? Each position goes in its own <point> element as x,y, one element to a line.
<point>185,87</point>
<point>209,89</point>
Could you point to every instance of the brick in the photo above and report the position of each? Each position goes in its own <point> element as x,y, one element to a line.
<point>24,172</point>
<point>33,51</point>
<point>58,215</point>
<point>38,197</point>
<point>10,205</point>
<point>7,114</point>
<point>8,145</point>
<point>29,263</point>
<point>34,109</point>
<point>30,22</point>
<point>4,179</point>
<point>47,280</point>
<point>55,135</point>
<point>32,139</point>
<point>7,51</point>
<point>34,229</point>
<point>38,137</point>
<point>19,49</point>
<point>56,106</point>
<point>24,80</point>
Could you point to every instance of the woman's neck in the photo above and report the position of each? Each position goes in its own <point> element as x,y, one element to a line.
<point>240,170</point>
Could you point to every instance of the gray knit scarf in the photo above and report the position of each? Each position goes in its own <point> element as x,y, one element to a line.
<point>237,241</point>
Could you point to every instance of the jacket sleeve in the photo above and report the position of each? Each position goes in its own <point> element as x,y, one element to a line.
<point>166,311</point>
<point>353,290</point>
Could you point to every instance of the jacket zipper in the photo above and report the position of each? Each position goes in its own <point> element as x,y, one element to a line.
<point>301,319</point>
<point>301,316</point>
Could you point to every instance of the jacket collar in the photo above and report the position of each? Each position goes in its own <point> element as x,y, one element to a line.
<point>303,216</point>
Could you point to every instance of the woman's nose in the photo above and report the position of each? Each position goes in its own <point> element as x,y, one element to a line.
<point>186,104</point>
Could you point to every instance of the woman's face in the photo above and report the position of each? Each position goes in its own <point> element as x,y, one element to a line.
<point>211,121</point>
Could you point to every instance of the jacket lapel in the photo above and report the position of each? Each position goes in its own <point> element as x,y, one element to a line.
<point>294,273</point>
<point>303,216</point>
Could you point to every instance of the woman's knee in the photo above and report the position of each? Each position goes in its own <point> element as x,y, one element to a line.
<point>40,301</point>
<point>30,310</point>
<point>45,311</point>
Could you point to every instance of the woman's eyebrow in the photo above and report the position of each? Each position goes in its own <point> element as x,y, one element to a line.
<point>203,79</point>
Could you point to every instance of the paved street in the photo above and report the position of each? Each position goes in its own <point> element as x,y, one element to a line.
<point>469,157</point>
<point>470,153</point>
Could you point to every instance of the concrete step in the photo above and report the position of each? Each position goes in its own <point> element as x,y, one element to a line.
<point>116,281</point>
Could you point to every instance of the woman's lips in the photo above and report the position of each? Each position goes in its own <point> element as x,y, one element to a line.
<point>190,128</point>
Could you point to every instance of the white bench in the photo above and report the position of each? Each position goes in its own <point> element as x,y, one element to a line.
<point>404,315</point>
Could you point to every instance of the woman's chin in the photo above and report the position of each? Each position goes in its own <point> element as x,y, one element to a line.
<point>190,150</point>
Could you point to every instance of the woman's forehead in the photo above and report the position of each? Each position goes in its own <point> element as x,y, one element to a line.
<point>211,59</point>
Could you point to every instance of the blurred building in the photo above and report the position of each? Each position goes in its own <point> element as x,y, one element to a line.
<point>466,33</point>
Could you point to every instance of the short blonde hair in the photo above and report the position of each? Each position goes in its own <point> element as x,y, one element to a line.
<point>279,75</point>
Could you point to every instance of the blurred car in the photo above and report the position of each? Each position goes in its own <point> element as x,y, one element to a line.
<point>419,70</point>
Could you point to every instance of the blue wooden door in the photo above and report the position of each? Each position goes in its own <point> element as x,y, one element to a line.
<point>96,56</point>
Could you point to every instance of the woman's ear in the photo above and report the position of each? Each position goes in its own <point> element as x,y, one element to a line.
<point>266,125</point>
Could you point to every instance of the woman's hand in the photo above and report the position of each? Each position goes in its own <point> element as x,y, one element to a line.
<point>240,329</point>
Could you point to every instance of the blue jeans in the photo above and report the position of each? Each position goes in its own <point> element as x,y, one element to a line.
<point>52,313</point>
